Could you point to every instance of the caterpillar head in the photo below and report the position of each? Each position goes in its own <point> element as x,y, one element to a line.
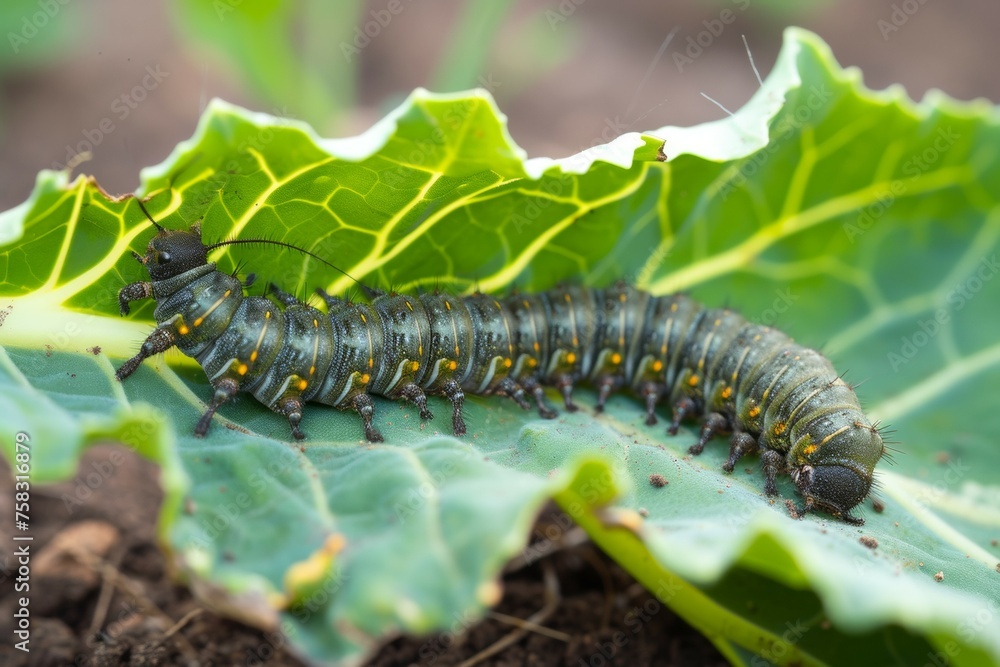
<point>171,253</point>
<point>840,475</point>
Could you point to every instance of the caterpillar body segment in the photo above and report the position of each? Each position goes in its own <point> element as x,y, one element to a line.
<point>773,396</point>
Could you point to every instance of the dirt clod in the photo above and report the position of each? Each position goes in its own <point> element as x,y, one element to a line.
<point>115,526</point>
<point>869,542</point>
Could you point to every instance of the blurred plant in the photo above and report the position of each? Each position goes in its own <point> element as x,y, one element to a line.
<point>285,50</point>
<point>34,37</point>
<point>37,31</point>
<point>305,55</point>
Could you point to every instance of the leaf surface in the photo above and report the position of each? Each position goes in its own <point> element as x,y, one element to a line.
<point>859,222</point>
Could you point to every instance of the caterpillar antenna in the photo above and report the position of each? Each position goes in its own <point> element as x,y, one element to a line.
<point>282,244</point>
<point>158,226</point>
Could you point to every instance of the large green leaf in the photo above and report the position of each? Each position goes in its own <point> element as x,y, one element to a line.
<point>849,218</point>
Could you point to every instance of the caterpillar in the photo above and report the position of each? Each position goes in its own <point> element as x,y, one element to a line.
<point>779,399</point>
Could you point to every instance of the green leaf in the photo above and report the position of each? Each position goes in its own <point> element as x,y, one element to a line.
<point>846,217</point>
<point>300,57</point>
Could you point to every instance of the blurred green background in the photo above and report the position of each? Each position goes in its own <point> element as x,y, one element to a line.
<point>130,79</point>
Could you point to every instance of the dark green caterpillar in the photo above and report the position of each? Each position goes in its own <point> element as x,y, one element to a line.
<point>776,397</point>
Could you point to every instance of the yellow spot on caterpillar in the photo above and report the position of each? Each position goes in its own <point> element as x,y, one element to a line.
<point>315,323</point>
<point>183,330</point>
<point>532,362</point>
<point>312,370</point>
<point>536,347</point>
<point>507,362</point>
<point>779,428</point>
<point>753,412</point>
<point>363,320</point>
<point>716,323</point>
<point>253,356</point>
<point>198,321</point>
<point>420,350</point>
<point>302,385</point>
<point>657,366</point>
<point>809,450</point>
<point>242,370</point>
<point>452,365</point>
<point>616,358</point>
<point>576,342</point>
<point>571,358</point>
<point>497,304</point>
<point>447,306</point>
<point>365,378</point>
<point>408,306</point>
<point>673,308</point>
<point>694,380</point>
<point>566,296</point>
<point>371,362</point>
<point>415,366</point>
<point>228,292</point>
<point>727,393</point>
<point>267,315</point>
<point>622,298</point>
<point>526,304</point>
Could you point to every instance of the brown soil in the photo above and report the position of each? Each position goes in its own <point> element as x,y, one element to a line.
<point>101,595</point>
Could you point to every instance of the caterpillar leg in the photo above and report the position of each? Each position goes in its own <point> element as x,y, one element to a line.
<point>416,395</point>
<point>133,292</point>
<point>226,389</point>
<point>799,512</point>
<point>363,404</point>
<point>741,444</point>
<point>457,397</point>
<point>508,387</point>
<point>772,462</point>
<point>605,386</point>
<point>565,385</point>
<point>714,424</point>
<point>531,386</point>
<point>651,391</point>
<point>683,409</point>
<point>159,341</point>
<point>292,408</point>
